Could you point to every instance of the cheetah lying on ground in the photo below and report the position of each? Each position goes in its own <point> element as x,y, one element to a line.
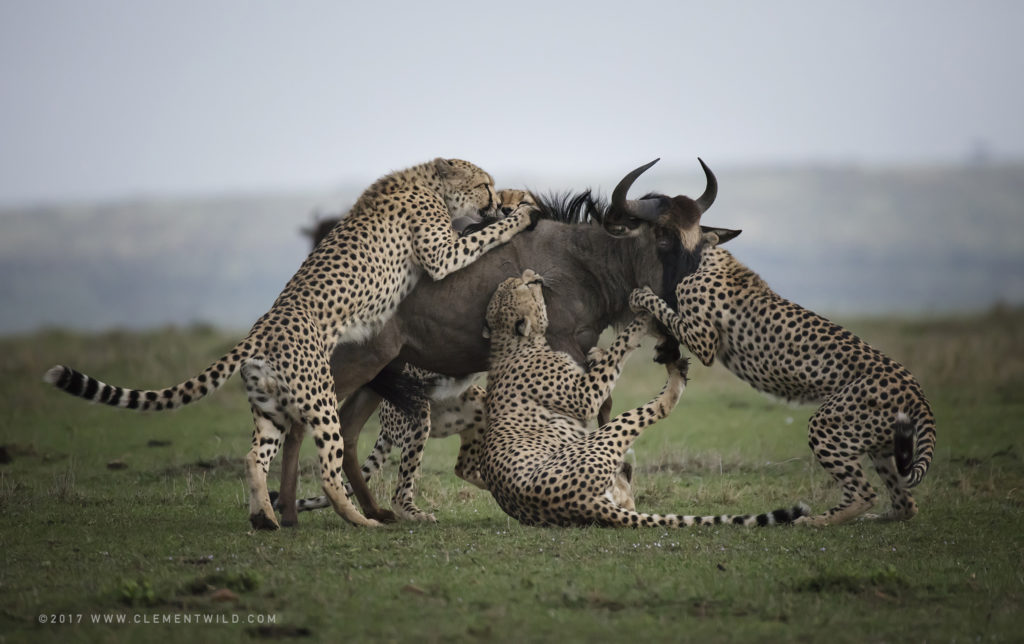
<point>535,461</point>
<point>872,404</point>
<point>444,413</point>
<point>347,288</point>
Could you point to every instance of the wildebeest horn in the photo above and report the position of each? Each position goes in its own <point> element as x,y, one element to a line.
<point>638,208</point>
<point>705,200</point>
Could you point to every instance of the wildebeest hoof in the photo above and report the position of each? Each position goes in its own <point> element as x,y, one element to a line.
<point>668,352</point>
<point>384,516</point>
<point>260,521</point>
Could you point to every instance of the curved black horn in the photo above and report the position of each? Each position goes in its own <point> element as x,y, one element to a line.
<point>705,200</point>
<point>635,208</point>
<point>619,194</point>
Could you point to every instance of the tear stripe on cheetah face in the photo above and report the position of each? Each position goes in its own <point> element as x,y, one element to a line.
<point>540,468</point>
<point>352,282</point>
<point>870,403</point>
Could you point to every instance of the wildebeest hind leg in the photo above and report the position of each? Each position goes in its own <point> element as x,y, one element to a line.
<point>290,476</point>
<point>353,414</point>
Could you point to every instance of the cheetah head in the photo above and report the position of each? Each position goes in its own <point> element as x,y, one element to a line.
<point>509,200</point>
<point>517,309</point>
<point>467,190</point>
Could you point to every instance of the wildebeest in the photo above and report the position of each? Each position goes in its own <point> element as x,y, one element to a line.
<point>592,257</point>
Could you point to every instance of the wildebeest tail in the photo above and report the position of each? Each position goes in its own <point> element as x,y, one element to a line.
<point>85,386</point>
<point>406,392</point>
<point>913,444</point>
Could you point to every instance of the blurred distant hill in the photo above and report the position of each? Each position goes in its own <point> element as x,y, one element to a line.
<point>838,239</point>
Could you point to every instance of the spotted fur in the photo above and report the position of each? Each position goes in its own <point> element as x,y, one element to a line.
<point>538,465</point>
<point>348,287</point>
<point>870,404</point>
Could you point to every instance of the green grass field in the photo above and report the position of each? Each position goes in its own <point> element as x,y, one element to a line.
<point>112,515</point>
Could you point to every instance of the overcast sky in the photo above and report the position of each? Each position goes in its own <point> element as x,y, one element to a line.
<point>104,99</point>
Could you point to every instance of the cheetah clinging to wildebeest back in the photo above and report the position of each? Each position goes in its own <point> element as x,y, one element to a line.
<point>348,287</point>
<point>871,404</point>
<point>447,405</point>
<point>540,469</point>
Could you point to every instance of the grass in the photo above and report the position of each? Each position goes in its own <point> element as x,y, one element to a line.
<point>112,515</point>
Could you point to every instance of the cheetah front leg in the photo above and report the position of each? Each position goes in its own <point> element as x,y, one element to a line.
<point>693,328</point>
<point>439,252</point>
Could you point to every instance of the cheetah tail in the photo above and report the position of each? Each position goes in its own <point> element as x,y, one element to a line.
<point>79,384</point>
<point>775,517</point>
<point>912,447</point>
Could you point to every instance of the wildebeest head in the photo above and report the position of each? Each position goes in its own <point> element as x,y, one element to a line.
<point>674,220</point>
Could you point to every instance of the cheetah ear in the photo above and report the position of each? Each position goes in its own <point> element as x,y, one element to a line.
<point>523,327</point>
<point>444,167</point>
<point>718,236</point>
<point>487,331</point>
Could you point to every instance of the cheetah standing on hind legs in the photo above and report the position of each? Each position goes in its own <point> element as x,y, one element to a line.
<point>348,287</point>
<point>540,469</point>
<point>871,404</point>
<point>450,406</point>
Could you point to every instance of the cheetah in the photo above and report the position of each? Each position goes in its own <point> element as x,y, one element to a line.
<point>870,404</point>
<point>350,285</point>
<point>449,406</point>
<point>537,465</point>
<point>452,406</point>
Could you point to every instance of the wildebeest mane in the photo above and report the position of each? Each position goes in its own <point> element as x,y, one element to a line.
<point>571,207</point>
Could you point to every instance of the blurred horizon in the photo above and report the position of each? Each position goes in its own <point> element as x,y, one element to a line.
<point>840,240</point>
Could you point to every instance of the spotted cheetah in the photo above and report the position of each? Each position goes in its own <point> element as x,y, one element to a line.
<point>348,287</point>
<point>871,404</point>
<point>449,406</point>
<point>452,406</point>
<point>538,466</point>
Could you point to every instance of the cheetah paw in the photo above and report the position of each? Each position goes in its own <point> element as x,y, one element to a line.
<point>638,299</point>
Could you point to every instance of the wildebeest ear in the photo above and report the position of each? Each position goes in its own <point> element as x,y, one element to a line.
<point>721,235</point>
<point>523,327</point>
<point>444,167</point>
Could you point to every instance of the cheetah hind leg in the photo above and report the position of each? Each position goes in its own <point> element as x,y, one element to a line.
<point>858,495</point>
<point>265,441</point>
<point>841,463</point>
<point>903,506</point>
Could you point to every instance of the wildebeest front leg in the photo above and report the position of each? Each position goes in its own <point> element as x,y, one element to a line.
<point>353,414</point>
